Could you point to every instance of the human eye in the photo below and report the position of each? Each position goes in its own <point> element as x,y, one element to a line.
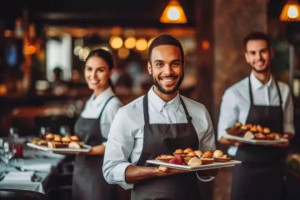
<point>159,64</point>
<point>87,68</point>
<point>175,63</point>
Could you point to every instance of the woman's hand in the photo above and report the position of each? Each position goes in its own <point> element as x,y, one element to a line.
<point>229,142</point>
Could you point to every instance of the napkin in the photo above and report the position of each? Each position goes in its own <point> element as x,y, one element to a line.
<point>18,176</point>
<point>41,167</point>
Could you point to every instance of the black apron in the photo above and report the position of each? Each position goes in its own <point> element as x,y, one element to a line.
<point>88,180</point>
<point>260,176</point>
<point>165,139</point>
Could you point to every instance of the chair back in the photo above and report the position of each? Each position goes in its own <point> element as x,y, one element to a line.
<point>16,194</point>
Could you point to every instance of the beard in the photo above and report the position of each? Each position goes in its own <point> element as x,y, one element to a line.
<point>266,69</point>
<point>172,91</point>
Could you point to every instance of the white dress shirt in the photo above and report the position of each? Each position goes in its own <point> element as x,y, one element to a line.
<point>125,140</point>
<point>94,106</point>
<point>235,104</point>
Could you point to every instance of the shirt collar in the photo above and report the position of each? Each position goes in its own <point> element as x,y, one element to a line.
<point>256,84</point>
<point>159,104</point>
<point>102,97</point>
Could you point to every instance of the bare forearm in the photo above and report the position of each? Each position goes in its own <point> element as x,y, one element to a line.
<point>134,173</point>
<point>97,150</point>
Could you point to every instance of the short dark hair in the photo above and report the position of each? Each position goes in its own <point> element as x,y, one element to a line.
<point>165,39</point>
<point>257,35</point>
<point>105,55</point>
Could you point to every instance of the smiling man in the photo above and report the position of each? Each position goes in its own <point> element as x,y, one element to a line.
<point>260,100</point>
<point>158,123</point>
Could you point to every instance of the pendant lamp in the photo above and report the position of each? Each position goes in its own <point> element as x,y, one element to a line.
<point>173,13</point>
<point>290,11</point>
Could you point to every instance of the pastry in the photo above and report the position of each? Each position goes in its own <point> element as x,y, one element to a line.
<point>49,136</point>
<point>74,145</point>
<point>207,154</point>
<point>218,153</point>
<point>207,160</point>
<point>179,152</point>
<point>188,150</point>
<point>198,153</point>
<point>223,158</point>
<point>74,138</point>
<point>249,135</point>
<point>164,158</point>
<point>194,162</point>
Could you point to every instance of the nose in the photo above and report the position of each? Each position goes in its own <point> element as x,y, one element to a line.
<point>168,69</point>
<point>94,73</point>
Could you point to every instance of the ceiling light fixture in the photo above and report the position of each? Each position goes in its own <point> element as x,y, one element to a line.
<point>173,13</point>
<point>290,11</point>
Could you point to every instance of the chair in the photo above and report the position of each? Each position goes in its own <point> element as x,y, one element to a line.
<point>16,194</point>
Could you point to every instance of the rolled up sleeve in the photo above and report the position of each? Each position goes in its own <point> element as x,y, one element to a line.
<point>118,150</point>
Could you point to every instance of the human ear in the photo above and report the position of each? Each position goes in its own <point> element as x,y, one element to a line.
<point>149,68</point>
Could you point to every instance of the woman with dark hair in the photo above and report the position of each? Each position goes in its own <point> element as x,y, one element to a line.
<point>92,128</point>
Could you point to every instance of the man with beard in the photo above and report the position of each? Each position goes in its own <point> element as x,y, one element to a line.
<point>259,100</point>
<point>158,123</point>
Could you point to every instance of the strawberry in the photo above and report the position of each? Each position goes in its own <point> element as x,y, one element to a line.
<point>176,160</point>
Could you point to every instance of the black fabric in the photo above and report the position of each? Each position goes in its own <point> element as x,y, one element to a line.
<point>88,180</point>
<point>165,139</point>
<point>260,176</point>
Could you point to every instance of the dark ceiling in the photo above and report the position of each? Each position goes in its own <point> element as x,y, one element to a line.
<point>134,13</point>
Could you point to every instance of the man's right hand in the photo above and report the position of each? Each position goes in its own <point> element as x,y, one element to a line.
<point>225,141</point>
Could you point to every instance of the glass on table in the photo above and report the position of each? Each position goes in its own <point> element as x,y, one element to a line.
<point>44,130</point>
<point>7,153</point>
<point>64,130</point>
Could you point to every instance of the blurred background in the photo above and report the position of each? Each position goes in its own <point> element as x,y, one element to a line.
<point>43,45</point>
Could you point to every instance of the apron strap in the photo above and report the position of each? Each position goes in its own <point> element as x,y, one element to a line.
<point>250,91</point>
<point>146,112</point>
<point>100,115</point>
<point>251,95</point>
<point>189,118</point>
<point>145,109</point>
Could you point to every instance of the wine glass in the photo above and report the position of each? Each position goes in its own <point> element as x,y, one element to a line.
<point>64,130</point>
<point>43,131</point>
<point>6,154</point>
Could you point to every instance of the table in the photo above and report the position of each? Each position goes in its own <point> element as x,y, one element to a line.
<point>32,159</point>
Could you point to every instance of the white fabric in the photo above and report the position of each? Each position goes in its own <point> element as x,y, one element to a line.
<point>94,106</point>
<point>45,167</point>
<point>18,176</point>
<point>125,140</point>
<point>236,104</point>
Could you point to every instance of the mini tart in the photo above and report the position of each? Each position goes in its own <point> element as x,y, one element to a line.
<point>165,158</point>
<point>50,136</point>
<point>206,161</point>
<point>74,138</point>
<point>270,136</point>
<point>207,154</point>
<point>179,152</point>
<point>35,140</point>
<point>259,136</point>
<point>66,139</point>
<point>218,153</point>
<point>42,143</point>
<point>224,158</point>
<point>74,145</point>
<point>187,150</point>
<point>57,138</point>
<point>266,130</point>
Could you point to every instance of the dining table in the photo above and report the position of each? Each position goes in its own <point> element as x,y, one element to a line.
<point>30,172</point>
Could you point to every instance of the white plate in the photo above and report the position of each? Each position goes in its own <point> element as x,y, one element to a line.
<point>86,148</point>
<point>214,165</point>
<point>253,141</point>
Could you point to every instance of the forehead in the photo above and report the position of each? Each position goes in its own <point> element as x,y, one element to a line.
<point>165,52</point>
<point>95,61</point>
<point>253,45</point>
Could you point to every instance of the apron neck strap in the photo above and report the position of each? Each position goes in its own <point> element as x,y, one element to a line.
<point>146,112</point>
<point>251,95</point>
<point>105,106</point>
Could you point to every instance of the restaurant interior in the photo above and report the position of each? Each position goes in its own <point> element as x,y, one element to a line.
<point>43,45</point>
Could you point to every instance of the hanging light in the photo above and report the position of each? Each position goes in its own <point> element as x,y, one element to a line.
<point>290,11</point>
<point>173,13</point>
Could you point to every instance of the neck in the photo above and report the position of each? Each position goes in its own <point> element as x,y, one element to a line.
<point>165,97</point>
<point>99,91</point>
<point>263,77</point>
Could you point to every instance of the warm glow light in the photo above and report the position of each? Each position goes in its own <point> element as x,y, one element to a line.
<point>205,45</point>
<point>150,41</point>
<point>173,13</point>
<point>123,53</point>
<point>77,50</point>
<point>290,11</point>
<point>116,42</point>
<point>141,44</point>
<point>84,53</point>
<point>130,43</point>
